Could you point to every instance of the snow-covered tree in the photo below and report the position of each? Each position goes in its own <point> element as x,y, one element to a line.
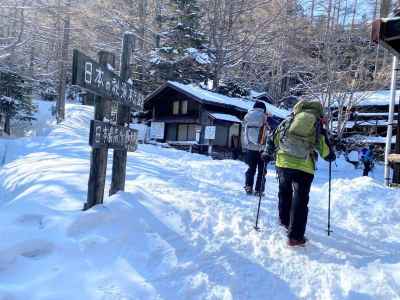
<point>183,53</point>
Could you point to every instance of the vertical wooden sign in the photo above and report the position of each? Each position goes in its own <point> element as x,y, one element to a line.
<point>98,159</point>
<point>120,156</point>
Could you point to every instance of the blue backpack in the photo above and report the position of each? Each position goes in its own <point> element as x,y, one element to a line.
<point>366,155</point>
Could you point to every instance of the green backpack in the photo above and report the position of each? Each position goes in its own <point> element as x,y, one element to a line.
<point>299,134</point>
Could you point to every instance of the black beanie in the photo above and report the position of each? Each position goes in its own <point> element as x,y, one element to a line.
<point>260,104</point>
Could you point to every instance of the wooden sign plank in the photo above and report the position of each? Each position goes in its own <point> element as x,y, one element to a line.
<point>106,135</point>
<point>90,75</point>
<point>394,158</point>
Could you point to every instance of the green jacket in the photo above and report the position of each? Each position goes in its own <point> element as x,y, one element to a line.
<point>284,160</point>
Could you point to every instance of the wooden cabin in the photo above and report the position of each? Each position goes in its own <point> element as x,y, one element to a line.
<point>369,118</point>
<point>189,114</point>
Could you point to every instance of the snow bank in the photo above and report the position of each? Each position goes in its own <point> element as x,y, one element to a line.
<point>183,229</point>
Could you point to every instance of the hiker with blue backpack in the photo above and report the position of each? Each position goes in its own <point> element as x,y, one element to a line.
<point>367,158</point>
<point>295,144</point>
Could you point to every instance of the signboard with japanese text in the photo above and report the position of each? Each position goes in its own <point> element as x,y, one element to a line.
<point>89,75</point>
<point>157,130</point>
<point>209,133</point>
<point>106,135</point>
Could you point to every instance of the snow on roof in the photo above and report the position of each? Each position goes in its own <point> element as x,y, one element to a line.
<point>372,98</point>
<point>374,123</point>
<point>241,103</point>
<point>225,117</point>
<point>349,124</point>
<point>255,94</point>
<point>352,124</point>
<point>381,114</point>
<point>373,139</point>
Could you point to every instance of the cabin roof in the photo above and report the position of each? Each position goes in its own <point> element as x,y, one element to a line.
<point>371,98</point>
<point>225,117</point>
<point>207,97</point>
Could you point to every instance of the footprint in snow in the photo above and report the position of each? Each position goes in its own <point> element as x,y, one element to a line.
<point>32,249</point>
<point>31,220</point>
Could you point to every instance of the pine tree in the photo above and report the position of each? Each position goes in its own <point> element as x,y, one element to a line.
<point>183,53</point>
<point>185,26</point>
<point>14,99</point>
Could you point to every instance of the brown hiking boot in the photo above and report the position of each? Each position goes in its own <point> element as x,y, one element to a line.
<point>297,243</point>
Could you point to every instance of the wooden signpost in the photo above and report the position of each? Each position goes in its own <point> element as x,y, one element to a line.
<point>120,155</point>
<point>99,79</point>
<point>106,135</point>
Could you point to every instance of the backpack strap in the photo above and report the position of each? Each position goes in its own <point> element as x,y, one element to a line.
<point>284,127</point>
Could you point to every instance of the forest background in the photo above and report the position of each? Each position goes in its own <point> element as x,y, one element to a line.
<point>319,48</point>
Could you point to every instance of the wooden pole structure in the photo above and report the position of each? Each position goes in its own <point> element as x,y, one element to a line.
<point>396,172</point>
<point>98,160</point>
<point>120,156</point>
<point>390,121</point>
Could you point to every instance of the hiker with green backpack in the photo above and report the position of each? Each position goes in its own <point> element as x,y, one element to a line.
<point>295,143</point>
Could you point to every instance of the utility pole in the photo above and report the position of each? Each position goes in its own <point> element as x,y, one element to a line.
<point>120,156</point>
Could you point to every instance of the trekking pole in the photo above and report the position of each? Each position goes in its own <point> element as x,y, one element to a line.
<point>261,195</point>
<point>329,199</point>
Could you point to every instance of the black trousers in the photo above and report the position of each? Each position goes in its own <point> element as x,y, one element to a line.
<point>367,168</point>
<point>253,159</point>
<point>294,190</point>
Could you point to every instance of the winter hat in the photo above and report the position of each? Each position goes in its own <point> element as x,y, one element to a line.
<point>261,105</point>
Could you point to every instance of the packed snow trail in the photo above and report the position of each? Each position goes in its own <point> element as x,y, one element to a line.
<point>183,229</point>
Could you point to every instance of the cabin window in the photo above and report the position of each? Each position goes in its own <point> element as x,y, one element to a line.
<point>175,108</point>
<point>184,108</point>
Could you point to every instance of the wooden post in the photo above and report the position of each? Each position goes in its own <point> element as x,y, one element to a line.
<point>396,172</point>
<point>98,160</point>
<point>120,156</point>
<point>390,121</point>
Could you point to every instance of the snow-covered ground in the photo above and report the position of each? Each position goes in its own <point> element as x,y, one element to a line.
<point>183,229</point>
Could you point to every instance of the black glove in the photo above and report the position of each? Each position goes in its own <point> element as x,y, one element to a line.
<point>266,157</point>
<point>331,156</point>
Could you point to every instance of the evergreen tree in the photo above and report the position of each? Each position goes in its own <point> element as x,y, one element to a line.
<point>14,100</point>
<point>233,88</point>
<point>183,53</point>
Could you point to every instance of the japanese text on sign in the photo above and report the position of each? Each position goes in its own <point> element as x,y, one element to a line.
<point>89,75</point>
<point>112,136</point>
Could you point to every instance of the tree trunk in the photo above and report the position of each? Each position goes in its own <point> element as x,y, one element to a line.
<point>353,20</point>
<point>62,64</point>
